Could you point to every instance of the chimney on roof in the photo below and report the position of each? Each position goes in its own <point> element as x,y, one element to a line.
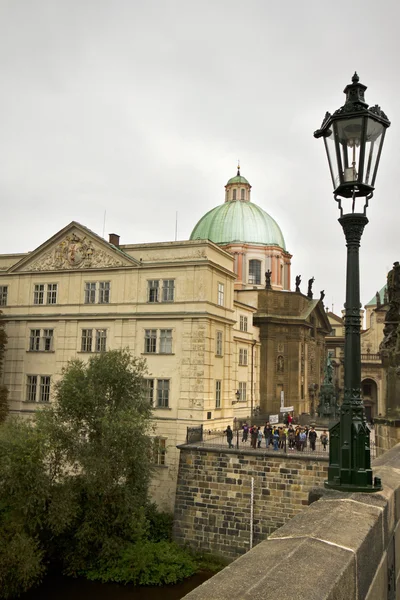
<point>114,239</point>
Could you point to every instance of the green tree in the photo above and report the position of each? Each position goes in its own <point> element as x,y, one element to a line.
<point>99,447</point>
<point>3,390</point>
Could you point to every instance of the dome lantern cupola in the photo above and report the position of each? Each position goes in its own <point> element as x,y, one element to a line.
<point>237,188</point>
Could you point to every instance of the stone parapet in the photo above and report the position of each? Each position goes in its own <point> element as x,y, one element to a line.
<point>342,547</point>
<point>214,490</point>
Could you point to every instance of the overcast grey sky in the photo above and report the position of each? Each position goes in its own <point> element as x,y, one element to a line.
<point>143,108</point>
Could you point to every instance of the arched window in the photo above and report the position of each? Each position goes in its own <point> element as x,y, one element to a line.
<point>234,195</point>
<point>242,194</point>
<point>255,272</point>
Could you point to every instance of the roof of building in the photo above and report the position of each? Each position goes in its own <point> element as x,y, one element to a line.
<point>239,221</point>
<point>373,302</point>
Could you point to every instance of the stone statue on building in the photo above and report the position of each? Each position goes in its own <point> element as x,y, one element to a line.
<point>322,295</point>
<point>378,300</point>
<point>328,408</point>
<point>268,280</point>
<point>310,284</point>
<point>298,281</point>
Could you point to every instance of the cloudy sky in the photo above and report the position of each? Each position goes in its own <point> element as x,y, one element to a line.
<point>142,108</point>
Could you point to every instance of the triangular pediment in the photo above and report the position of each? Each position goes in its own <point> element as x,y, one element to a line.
<point>74,248</point>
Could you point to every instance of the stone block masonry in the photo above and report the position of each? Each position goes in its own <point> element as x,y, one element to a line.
<point>213,496</point>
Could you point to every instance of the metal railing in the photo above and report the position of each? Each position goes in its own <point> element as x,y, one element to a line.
<point>218,439</point>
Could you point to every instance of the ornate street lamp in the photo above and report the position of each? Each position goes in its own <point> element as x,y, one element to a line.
<point>353,138</point>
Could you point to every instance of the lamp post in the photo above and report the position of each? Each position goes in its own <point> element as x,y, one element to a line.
<point>353,136</point>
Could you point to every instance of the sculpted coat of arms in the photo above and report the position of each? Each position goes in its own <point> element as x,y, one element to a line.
<point>74,251</point>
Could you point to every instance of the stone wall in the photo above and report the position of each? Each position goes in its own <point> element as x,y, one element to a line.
<point>342,547</point>
<point>212,507</point>
<point>387,434</point>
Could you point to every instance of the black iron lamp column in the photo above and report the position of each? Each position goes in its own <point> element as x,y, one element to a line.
<point>353,137</point>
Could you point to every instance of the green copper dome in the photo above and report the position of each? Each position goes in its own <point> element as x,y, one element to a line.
<point>236,221</point>
<point>238,179</point>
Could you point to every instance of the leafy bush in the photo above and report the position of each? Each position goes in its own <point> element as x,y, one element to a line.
<point>20,563</point>
<point>160,524</point>
<point>146,563</point>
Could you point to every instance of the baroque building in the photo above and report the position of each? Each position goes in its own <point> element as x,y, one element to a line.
<point>218,345</point>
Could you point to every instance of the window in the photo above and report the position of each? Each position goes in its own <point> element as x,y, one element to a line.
<point>101,339</point>
<point>153,287</point>
<point>162,393</point>
<point>31,387</point>
<point>38,294</point>
<point>87,340</point>
<point>221,294</point>
<point>234,195</point>
<point>3,295</point>
<point>43,291</point>
<point>218,343</point>
<point>51,293</point>
<point>90,293</point>
<point>168,290</point>
<point>218,394</point>
<point>243,323</point>
<point>255,272</point>
<point>104,292</point>
<point>165,341</point>
<point>150,340</point>
<point>242,194</point>
<point>34,340</point>
<point>158,341</point>
<point>47,340</point>
<point>41,340</point>
<point>159,450</point>
<point>150,391</point>
<point>242,391</point>
<point>243,357</point>
<point>44,389</point>
<point>38,384</point>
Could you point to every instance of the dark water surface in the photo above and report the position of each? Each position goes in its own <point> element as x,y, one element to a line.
<point>66,588</point>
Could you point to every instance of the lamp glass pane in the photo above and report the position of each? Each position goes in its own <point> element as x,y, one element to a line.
<point>349,136</point>
<point>331,154</point>
<point>373,141</point>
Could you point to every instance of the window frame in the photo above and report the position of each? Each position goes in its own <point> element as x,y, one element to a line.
<point>51,293</point>
<point>218,393</point>
<point>219,341</point>
<point>38,293</point>
<point>149,390</point>
<point>104,292</point>
<point>168,290</point>
<point>90,292</point>
<point>153,290</point>
<point>243,357</point>
<point>44,389</point>
<point>100,344</point>
<point>31,388</point>
<point>163,392</point>
<point>165,341</point>
<point>150,341</point>
<point>220,294</point>
<point>159,451</point>
<point>254,274</point>
<point>84,340</point>
<point>3,295</point>
<point>242,387</point>
<point>243,323</point>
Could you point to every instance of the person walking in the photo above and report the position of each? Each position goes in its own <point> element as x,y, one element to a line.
<point>268,433</point>
<point>312,436</point>
<point>253,436</point>
<point>259,437</point>
<point>302,439</point>
<point>245,432</point>
<point>291,437</point>
<point>229,436</point>
<point>276,438</point>
<point>324,439</point>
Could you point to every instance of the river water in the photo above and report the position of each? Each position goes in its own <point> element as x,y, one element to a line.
<point>66,588</point>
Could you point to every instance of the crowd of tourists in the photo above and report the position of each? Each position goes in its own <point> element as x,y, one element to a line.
<point>283,437</point>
